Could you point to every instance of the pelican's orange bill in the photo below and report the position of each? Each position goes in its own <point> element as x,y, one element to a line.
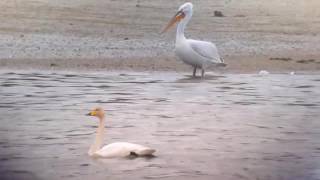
<point>177,17</point>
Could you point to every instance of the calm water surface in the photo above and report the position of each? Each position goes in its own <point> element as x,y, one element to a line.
<point>222,127</point>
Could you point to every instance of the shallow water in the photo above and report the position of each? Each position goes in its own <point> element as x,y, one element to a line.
<point>222,127</point>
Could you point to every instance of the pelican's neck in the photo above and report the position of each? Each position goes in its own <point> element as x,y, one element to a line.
<point>181,27</point>
<point>180,31</point>
<point>99,137</point>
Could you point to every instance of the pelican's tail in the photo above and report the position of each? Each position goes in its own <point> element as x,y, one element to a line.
<point>222,64</point>
<point>221,59</point>
<point>218,63</point>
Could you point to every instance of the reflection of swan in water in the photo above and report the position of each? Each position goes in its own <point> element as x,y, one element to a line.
<point>118,149</point>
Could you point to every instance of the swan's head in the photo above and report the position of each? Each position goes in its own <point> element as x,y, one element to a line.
<point>184,10</point>
<point>97,112</point>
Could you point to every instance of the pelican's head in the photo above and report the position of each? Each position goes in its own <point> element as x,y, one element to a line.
<point>184,10</point>
<point>97,112</point>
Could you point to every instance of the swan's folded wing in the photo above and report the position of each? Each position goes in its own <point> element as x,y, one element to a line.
<point>206,50</point>
<point>114,150</point>
<point>123,149</point>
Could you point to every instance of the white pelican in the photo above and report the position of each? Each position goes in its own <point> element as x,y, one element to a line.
<point>118,149</point>
<point>198,54</point>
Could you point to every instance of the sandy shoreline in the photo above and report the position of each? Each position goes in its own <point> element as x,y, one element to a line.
<point>235,65</point>
<point>121,35</point>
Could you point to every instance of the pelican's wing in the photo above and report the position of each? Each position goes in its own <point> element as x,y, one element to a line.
<point>206,49</point>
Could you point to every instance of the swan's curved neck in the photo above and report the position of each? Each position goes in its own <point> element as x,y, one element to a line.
<point>99,137</point>
<point>181,27</point>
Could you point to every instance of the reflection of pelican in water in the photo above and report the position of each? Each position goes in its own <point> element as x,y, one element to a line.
<point>198,54</point>
<point>118,149</point>
<point>208,78</point>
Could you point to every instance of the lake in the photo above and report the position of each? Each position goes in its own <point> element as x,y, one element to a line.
<point>225,126</point>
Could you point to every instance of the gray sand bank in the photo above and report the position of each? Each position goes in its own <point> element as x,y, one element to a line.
<point>106,34</point>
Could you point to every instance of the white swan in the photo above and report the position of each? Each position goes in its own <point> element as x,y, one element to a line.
<point>118,149</point>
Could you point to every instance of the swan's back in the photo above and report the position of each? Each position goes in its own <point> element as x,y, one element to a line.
<point>123,149</point>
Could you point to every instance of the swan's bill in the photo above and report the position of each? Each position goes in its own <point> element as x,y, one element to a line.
<point>97,112</point>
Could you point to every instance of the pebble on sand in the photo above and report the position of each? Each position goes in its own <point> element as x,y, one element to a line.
<point>218,14</point>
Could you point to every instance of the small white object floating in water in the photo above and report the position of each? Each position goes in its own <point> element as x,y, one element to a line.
<point>263,72</point>
<point>292,73</point>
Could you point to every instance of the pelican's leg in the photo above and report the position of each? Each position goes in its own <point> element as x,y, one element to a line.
<point>194,71</point>
<point>202,72</point>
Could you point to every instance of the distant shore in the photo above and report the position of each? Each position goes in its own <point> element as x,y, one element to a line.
<point>124,35</point>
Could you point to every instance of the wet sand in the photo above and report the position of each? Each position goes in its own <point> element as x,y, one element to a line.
<point>156,64</point>
<point>232,126</point>
<point>107,34</point>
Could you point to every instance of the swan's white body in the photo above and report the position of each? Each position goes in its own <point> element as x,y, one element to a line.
<point>118,149</point>
<point>123,149</point>
<point>198,54</point>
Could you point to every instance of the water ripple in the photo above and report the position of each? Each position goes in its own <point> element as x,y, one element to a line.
<point>201,127</point>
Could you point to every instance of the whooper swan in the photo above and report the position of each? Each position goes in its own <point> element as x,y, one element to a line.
<point>117,149</point>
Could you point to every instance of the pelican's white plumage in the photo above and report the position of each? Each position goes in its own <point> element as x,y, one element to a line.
<point>198,54</point>
<point>118,149</point>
